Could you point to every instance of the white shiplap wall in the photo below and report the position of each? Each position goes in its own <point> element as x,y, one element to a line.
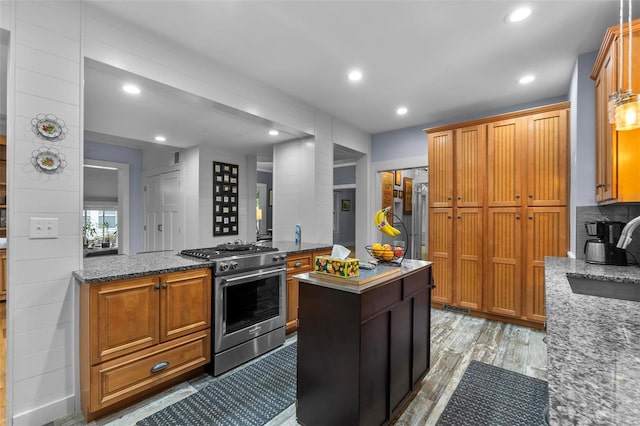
<point>46,65</point>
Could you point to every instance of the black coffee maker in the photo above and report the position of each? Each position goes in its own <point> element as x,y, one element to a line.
<point>609,232</point>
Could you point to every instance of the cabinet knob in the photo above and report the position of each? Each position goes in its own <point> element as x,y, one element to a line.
<point>448,217</point>
<point>157,287</point>
<point>517,196</point>
<point>517,217</point>
<point>459,198</point>
<point>530,217</point>
<point>165,285</point>
<point>449,198</point>
<point>298,264</point>
<point>530,195</point>
<point>459,217</point>
<point>600,185</point>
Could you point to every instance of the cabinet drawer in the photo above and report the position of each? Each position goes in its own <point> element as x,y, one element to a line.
<point>380,299</point>
<point>115,380</point>
<point>415,282</point>
<point>299,264</point>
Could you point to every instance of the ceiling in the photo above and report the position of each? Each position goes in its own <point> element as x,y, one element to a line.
<point>440,59</point>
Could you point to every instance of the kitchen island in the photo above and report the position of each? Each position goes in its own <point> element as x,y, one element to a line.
<point>362,349</point>
<point>593,347</point>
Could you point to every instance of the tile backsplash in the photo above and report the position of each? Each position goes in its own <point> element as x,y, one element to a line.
<point>618,212</point>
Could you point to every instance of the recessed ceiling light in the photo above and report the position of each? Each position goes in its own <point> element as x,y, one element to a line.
<point>131,89</point>
<point>274,132</point>
<point>355,75</point>
<point>160,138</point>
<point>518,15</point>
<point>526,79</point>
<point>402,111</point>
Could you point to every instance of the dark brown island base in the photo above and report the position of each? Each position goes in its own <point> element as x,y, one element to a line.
<point>362,349</point>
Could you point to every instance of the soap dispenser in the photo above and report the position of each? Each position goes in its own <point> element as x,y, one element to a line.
<point>298,237</point>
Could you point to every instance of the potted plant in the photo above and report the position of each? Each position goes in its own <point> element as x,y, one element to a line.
<point>105,236</point>
<point>88,230</point>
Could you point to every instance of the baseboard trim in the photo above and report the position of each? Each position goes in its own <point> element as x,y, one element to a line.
<point>46,413</point>
<point>493,317</point>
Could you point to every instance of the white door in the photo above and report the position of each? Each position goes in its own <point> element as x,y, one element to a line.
<point>162,218</point>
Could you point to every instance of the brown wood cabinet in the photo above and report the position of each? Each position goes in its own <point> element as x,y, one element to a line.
<point>546,236</point>
<point>441,253</point>
<point>505,149</point>
<point>469,257</point>
<point>381,339</point>
<point>504,261</point>
<point>298,263</point>
<point>141,334</point>
<point>488,261</point>
<point>470,166</point>
<point>616,152</point>
<point>441,167</point>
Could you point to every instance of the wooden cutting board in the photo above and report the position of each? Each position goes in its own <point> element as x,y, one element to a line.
<point>366,275</point>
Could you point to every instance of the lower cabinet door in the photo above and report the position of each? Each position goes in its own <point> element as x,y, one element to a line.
<point>116,380</point>
<point>400,350</point>
<point>374,364</point>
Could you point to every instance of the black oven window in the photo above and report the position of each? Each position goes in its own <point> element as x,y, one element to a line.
<point>250,303</point>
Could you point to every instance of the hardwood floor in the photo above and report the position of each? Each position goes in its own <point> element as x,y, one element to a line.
<point>456,340</point>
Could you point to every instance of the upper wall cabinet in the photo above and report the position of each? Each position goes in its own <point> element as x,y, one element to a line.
<point>616,152</point>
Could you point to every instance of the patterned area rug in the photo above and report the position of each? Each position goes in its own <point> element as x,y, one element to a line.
<point>489,395</point>
<point>250,396</point>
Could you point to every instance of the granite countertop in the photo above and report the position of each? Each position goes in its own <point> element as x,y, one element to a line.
<point>115,267</point>
<point>593,347</point>
<point>292,248</point>
<point>101,269</point>
<point>408,266</point>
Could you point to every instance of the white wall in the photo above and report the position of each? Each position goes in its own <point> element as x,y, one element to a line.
<point>246,196</point>
<point>41,357</point>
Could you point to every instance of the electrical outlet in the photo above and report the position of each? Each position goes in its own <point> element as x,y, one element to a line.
<point>43,227</point>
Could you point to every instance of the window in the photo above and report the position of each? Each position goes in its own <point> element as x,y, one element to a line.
<point>100,227</point>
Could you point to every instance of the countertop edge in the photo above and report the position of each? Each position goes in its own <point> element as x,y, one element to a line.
<point>409,267</point>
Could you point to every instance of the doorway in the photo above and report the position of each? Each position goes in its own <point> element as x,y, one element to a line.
<point>408,194</point>
<point>162,212</point>
<point>261,210</point>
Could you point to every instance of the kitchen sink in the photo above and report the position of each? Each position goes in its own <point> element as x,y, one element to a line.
<point>605,288</point>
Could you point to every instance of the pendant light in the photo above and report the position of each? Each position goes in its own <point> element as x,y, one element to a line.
<point>625,105</point>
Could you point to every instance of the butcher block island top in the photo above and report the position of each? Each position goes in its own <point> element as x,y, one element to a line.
<point>368,278</point>
<point>380,333</point>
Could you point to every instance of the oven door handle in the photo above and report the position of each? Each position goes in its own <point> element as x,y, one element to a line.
<point>230,281</point>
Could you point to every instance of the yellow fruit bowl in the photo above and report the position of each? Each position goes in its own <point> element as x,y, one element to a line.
<point>386,252</point>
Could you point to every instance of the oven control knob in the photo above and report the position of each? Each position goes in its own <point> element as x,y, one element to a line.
<point>283,257</point>
<point>276,258</point>
<point>223,267</point>
<point>233,265</point>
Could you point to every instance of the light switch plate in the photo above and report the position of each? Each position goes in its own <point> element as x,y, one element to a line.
<point>43,227</point>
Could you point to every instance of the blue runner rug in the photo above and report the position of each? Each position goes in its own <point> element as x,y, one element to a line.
<point>250,396</point>
<point>489,395</point>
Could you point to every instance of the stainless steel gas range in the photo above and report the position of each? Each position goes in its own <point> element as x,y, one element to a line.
<point>248,301</point>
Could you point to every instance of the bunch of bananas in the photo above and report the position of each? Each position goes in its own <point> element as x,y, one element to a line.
<point>380,220</point>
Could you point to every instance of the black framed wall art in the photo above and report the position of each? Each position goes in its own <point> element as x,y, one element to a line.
<point>225,199</point>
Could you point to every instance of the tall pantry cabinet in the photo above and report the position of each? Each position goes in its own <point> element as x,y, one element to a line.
<point>497,206</point>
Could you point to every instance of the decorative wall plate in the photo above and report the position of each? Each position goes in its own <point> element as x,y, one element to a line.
<point>49,127</point>
<point>48,160</point>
